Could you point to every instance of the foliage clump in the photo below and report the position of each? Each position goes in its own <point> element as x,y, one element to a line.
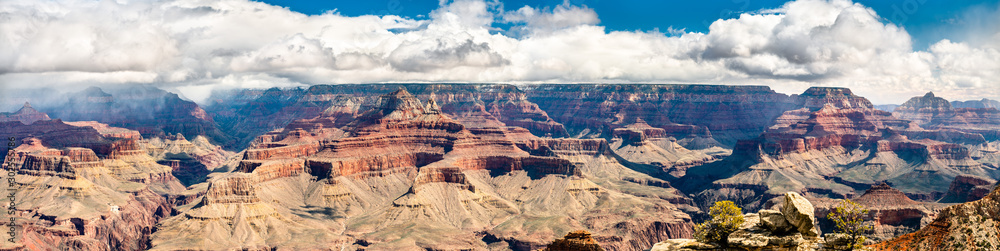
<point>850,219</point>
<point>726,219</point>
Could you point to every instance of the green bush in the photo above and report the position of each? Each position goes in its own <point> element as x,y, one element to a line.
<point>850,219</point>
<point>726,219</point>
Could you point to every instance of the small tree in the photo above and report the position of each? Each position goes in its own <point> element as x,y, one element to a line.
<point>850,219</point>
<point>726,219</point>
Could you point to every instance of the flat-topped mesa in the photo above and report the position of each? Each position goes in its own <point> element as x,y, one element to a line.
<point>26,115</point>
<point>818,97</point>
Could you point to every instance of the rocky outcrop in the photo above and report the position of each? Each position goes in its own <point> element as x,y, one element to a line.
<point>576,240</point>
<point>26,115</point>
<point>967,226</point>
<point>966,188</point>
<point>792,228</point>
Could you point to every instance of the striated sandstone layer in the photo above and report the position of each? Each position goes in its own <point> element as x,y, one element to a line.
<point>405,175</point>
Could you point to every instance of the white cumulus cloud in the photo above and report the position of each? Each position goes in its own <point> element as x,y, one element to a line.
<point>196,45</point>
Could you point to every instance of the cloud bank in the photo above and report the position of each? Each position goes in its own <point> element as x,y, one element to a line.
<point>195,46</point>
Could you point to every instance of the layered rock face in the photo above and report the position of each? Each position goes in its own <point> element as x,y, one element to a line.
<point>26,115</point>
<point>250,113</point>
<point>104,195</point>
<point>151,111</point>
<point>967,226</point>
<point>831,151</point>
<point>404,175</point>
<point>695,112</point>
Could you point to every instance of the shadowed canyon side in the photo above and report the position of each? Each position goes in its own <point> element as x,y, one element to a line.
<point>406,175</point>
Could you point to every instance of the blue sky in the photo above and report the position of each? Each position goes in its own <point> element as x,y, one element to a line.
<point>927,21</point>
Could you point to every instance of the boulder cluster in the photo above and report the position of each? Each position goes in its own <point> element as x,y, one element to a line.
<point>794,227</point>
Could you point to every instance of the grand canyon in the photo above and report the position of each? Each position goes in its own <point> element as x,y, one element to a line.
<point>500,125</point>
<point>489,167</point>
